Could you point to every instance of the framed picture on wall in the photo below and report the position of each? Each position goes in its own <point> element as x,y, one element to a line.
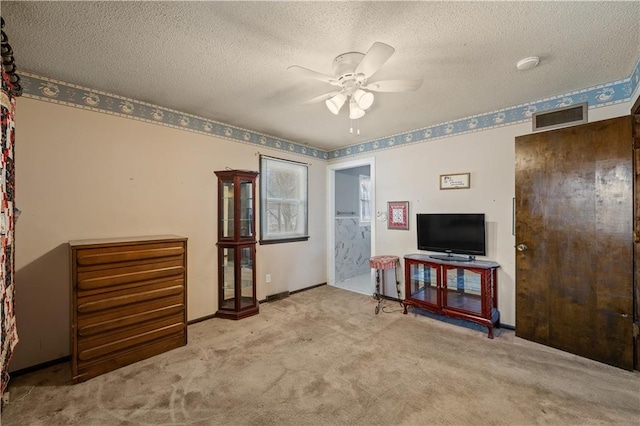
<point>398,215</point>
<point>455,181</point>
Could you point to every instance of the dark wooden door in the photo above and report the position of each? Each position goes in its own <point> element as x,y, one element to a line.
<point>574,237</point>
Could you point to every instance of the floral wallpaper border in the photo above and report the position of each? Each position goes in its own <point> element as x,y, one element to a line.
<point>598,96</point>
<point>50,90</point>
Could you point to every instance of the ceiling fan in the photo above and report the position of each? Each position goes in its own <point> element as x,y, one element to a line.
<point>352,71</point>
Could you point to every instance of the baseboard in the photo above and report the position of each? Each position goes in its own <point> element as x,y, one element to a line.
<point>270,298</point>
<point>307,288</point>
<point>507,327</point>
<point>277,296</point>
<point>41,366</point>
<point>204,318</point>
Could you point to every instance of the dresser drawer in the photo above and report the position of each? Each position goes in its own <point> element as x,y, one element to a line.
<point>107,279</point>
<point>93,348</point>
<point>85,370</point>
<point>91,325</point>
<point>108,256</point>
<point>123,298</point>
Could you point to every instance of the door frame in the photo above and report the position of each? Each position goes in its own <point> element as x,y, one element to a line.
<point>331,208</point>
<point>635,113</point>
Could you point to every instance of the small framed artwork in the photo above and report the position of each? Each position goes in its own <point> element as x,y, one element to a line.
<point>455,181</point>
<point>398,215</point>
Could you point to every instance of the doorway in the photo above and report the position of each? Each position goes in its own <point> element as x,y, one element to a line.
<point>350,226</point>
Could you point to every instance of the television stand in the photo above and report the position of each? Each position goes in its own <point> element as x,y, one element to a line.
<point>465,290</point>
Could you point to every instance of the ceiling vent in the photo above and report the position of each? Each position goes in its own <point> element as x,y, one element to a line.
<point>560,117</point>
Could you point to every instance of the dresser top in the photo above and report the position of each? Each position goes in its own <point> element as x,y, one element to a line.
<point>148,238</point>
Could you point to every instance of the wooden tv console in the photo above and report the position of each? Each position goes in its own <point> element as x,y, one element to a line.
<point>466,290</point>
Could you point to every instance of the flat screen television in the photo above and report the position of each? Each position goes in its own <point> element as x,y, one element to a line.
<point>452,233</point>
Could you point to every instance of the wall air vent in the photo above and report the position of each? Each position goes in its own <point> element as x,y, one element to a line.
<point>560,117</point>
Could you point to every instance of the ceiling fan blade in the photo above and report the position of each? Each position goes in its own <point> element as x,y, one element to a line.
<point>394,86</point>
<point>373,60</point>
<point>320,98</point>
<point>306,72</point>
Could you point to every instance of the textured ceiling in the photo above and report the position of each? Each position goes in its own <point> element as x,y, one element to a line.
<point>227,61</point>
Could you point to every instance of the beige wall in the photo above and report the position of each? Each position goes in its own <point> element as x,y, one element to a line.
<point>82,174</point>
<point>412,173</point>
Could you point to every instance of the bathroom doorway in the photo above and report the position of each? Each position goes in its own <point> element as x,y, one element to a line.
<point>351,226</point>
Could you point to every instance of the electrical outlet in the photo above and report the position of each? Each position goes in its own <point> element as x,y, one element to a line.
<point>5,398</point>
<point>267,278</point>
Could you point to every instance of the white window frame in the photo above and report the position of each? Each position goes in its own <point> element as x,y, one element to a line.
<point>364,199</point>
<point>300,201</point>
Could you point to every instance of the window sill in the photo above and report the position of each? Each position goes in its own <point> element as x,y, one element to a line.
<point>283,240</point>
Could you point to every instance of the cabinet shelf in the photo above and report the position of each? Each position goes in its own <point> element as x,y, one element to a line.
<point>461,290</point>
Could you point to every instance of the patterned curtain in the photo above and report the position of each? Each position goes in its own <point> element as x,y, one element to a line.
<point>7,222</point>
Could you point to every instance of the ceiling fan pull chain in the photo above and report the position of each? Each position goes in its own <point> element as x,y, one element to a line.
<point>357,126</point>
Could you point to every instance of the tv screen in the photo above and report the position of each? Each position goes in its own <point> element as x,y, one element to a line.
<point>454,233</point>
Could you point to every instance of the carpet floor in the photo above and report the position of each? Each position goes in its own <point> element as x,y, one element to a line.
<point>322,357</point>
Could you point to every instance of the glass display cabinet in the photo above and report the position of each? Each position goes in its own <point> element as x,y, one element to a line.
<point>236,244</point>
<point>465,290</point>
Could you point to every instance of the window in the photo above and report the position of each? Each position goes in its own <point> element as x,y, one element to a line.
<point>283,201</point>
<point>365,200</point>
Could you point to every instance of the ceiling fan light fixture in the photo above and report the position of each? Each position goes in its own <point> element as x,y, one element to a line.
<point>335,103</point>
<point>351,73</point>
<point>363,99</point>
<point>355,111</point>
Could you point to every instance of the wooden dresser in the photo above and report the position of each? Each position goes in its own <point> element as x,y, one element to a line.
<point>128,301</point>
